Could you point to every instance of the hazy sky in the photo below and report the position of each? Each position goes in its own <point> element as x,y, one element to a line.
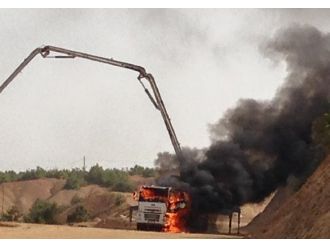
<point>57,111</point>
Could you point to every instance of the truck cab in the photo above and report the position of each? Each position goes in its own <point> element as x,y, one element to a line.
<point>152,207</point>
<point>162,209</point>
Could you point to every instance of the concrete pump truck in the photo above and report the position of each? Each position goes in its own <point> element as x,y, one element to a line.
<point>152,211</point>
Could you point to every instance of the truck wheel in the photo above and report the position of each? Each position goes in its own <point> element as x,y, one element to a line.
<point>139,227</point>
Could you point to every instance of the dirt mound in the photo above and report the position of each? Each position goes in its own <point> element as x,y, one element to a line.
<point>88,196</point>
<point>65,197</point>
<point>98,201</point>
<point>251,210</point>
<point>305,214</point>
<point>261,220</point>
<point>23,194</point>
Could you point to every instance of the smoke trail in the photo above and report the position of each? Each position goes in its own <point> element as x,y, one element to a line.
<point>259,144</point>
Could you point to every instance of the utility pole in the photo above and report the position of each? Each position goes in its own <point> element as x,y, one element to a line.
<point>84,166</point>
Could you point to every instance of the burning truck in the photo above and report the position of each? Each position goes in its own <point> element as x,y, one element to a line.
<point>162,209</point>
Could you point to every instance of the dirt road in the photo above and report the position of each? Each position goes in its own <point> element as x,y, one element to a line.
<point>38,231</point>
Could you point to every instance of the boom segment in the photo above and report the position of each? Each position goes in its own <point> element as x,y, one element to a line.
<point>156,98</point>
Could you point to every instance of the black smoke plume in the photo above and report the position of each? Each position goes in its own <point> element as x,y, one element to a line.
<point>258,145</point>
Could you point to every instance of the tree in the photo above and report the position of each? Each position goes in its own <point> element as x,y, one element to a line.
<point>136,170</point>
<point>8,176</point>
<point>2,177</point>
<point>117,179</point>
<point>42,212</point>
<point>123,186</point>
<point>142,171</point>
<point>27,175</point>
<point>149,172</point>
<point>96,175</point>
<point>80,214</point>
<point>55,173</point>
<point>11,215</point>
<point>40,172</point>
<point>74,182</point>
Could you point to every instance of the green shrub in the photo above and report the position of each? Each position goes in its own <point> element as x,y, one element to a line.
<point>113,176</point>
<point>96,175</point>
<point>116,179</point>
<point>5,217</point>
<point>11,215</point>
<point>142,171</point>
<point>109,178</point>
<point>42,212</point>
<point>8,176</point>
<point>149,172</point>
<point>76,199</point>
<point>123,186</point>
<point>80,214</point>
<point>55,173</point>
<point>75,180</point>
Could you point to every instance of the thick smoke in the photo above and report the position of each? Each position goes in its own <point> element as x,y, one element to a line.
<point>258,144</point>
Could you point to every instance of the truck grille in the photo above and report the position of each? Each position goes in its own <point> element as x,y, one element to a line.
<point>152,217</point>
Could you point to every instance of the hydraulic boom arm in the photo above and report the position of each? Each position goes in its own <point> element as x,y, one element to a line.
<point>156,99</point>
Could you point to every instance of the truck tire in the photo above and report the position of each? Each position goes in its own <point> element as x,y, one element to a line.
<point>139,227</point>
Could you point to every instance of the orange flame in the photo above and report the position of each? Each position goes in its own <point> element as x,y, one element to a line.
<point>178,210</point>
<point>147,194</point>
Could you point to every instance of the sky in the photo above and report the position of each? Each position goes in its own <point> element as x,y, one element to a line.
<point>203,60</point>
